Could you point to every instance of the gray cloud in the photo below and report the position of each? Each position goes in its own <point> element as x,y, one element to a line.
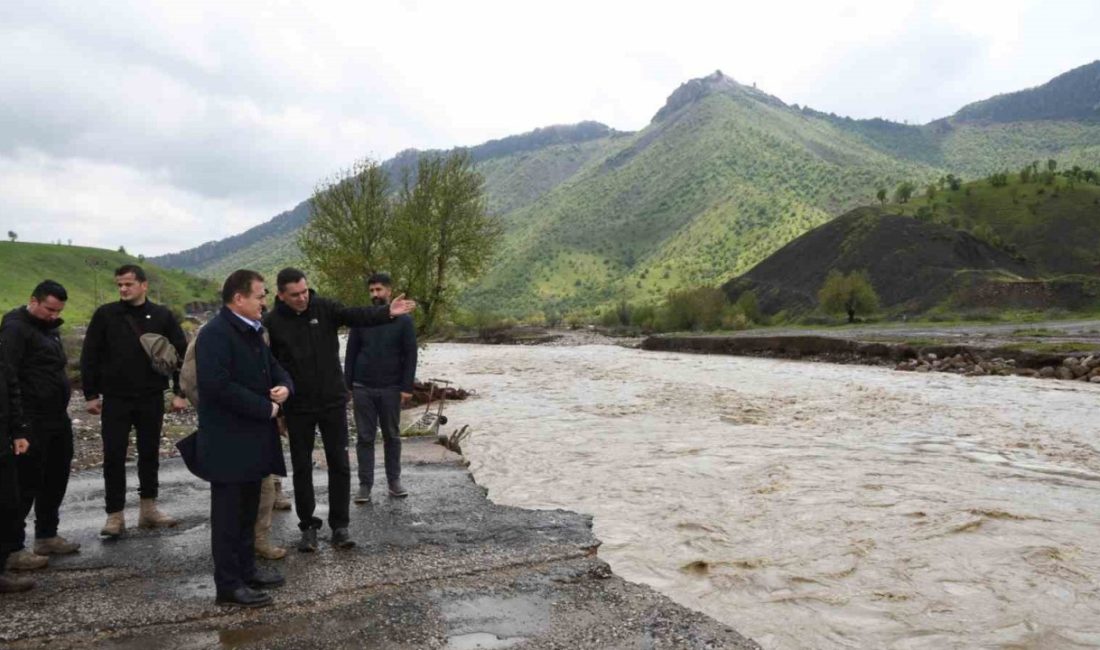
<point>208,117</point>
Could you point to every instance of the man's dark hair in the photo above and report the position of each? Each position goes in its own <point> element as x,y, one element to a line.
<point>380,278</point>
<point>49,288</point>
<point>289,275</point>
<point>139,273</point>
<point>239,281</point>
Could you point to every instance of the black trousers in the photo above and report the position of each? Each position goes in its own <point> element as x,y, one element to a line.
<point>121,414</point>
<point>44,475</point>
<point>11,512</point>
<point>376,407</point>
<point>302,430</point>
<point>233,509</point>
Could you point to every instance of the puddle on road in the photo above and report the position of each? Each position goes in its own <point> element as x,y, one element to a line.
<point>480,640</point>
<point>480,621</point>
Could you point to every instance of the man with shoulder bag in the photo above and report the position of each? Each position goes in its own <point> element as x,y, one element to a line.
<point>132,349</point>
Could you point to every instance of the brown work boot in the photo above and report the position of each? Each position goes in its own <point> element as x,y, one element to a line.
<point>26,560</point>
<point>115,526</point>
<point>10,584</point>
<point>56,545</point>
<point>151,517</point>
<point>268,551</point>
<point>281,502</point>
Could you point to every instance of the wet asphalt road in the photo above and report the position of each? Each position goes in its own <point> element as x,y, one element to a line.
<point>444,568</point>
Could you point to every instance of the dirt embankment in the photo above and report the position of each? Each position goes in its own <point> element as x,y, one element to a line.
<point>961,359</point>
<point>526,335</point>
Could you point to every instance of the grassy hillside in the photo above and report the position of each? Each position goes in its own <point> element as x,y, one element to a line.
<point>81,270</point>
<point>512,181</point>
<point>1053,224</point>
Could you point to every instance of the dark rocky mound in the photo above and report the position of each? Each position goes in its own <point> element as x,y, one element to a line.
<point>912,265</point>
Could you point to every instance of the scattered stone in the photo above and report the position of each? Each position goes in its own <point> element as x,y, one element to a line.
<point>1047,372</point>
<point>1063,372</point>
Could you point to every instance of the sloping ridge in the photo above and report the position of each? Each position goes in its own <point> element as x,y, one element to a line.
<point>292,220</point>
<point>912,265</point>
<point>1074,95</point>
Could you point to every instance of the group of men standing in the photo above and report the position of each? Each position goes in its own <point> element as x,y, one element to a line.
<point>253,367</point>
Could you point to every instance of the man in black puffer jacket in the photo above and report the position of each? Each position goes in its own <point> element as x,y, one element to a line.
<point>304,330</point>
<point>31,348</point>
<point>13,442</point>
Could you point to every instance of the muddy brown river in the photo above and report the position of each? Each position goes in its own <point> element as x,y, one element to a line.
<point>807,505</point>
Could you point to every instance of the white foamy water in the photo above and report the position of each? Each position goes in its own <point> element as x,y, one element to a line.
<point>807,505</point>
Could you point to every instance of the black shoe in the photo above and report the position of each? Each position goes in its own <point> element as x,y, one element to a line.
<point>363,496</point>
<point>340,538</point>
<point>244,597</point>
<point>397,490</point>
<point>266,580</point>
<point>308,543</point>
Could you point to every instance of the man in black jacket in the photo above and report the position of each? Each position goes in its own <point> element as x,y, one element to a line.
<point>241,390</point>
<point>304,331</point>
<point>31,348</point>
<point>122,387</point>
<point>13,442</point>
<point>380,366</point>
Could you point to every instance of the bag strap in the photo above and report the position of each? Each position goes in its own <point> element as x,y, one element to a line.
<point>133,325</point>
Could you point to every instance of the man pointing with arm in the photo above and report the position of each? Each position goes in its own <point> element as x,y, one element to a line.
<point>304,330</point>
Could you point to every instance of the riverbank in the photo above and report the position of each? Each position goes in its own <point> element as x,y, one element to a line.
<point>444,568</point>
<point>1068,351</point>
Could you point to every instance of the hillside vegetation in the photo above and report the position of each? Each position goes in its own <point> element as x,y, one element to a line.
<point>724,176</point>
<point>913,265</point>
<point>1029,240</point>
<point>81,270</point>
<point>1052,222</point>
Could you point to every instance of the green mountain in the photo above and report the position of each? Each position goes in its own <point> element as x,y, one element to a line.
<point>84,272</point>
<point>518,170</point>
<point>722,177</point>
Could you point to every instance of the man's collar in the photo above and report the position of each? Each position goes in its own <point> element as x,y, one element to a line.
<point>244,320</point>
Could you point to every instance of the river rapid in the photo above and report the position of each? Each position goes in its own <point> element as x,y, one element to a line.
<point>807,505</point>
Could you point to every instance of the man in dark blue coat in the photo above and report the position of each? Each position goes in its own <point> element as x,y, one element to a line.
<point>241,390</point>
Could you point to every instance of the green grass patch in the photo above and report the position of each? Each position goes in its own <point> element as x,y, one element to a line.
<point>84,271</point>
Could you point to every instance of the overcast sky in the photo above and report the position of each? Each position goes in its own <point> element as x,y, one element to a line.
<point>161,125</point>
